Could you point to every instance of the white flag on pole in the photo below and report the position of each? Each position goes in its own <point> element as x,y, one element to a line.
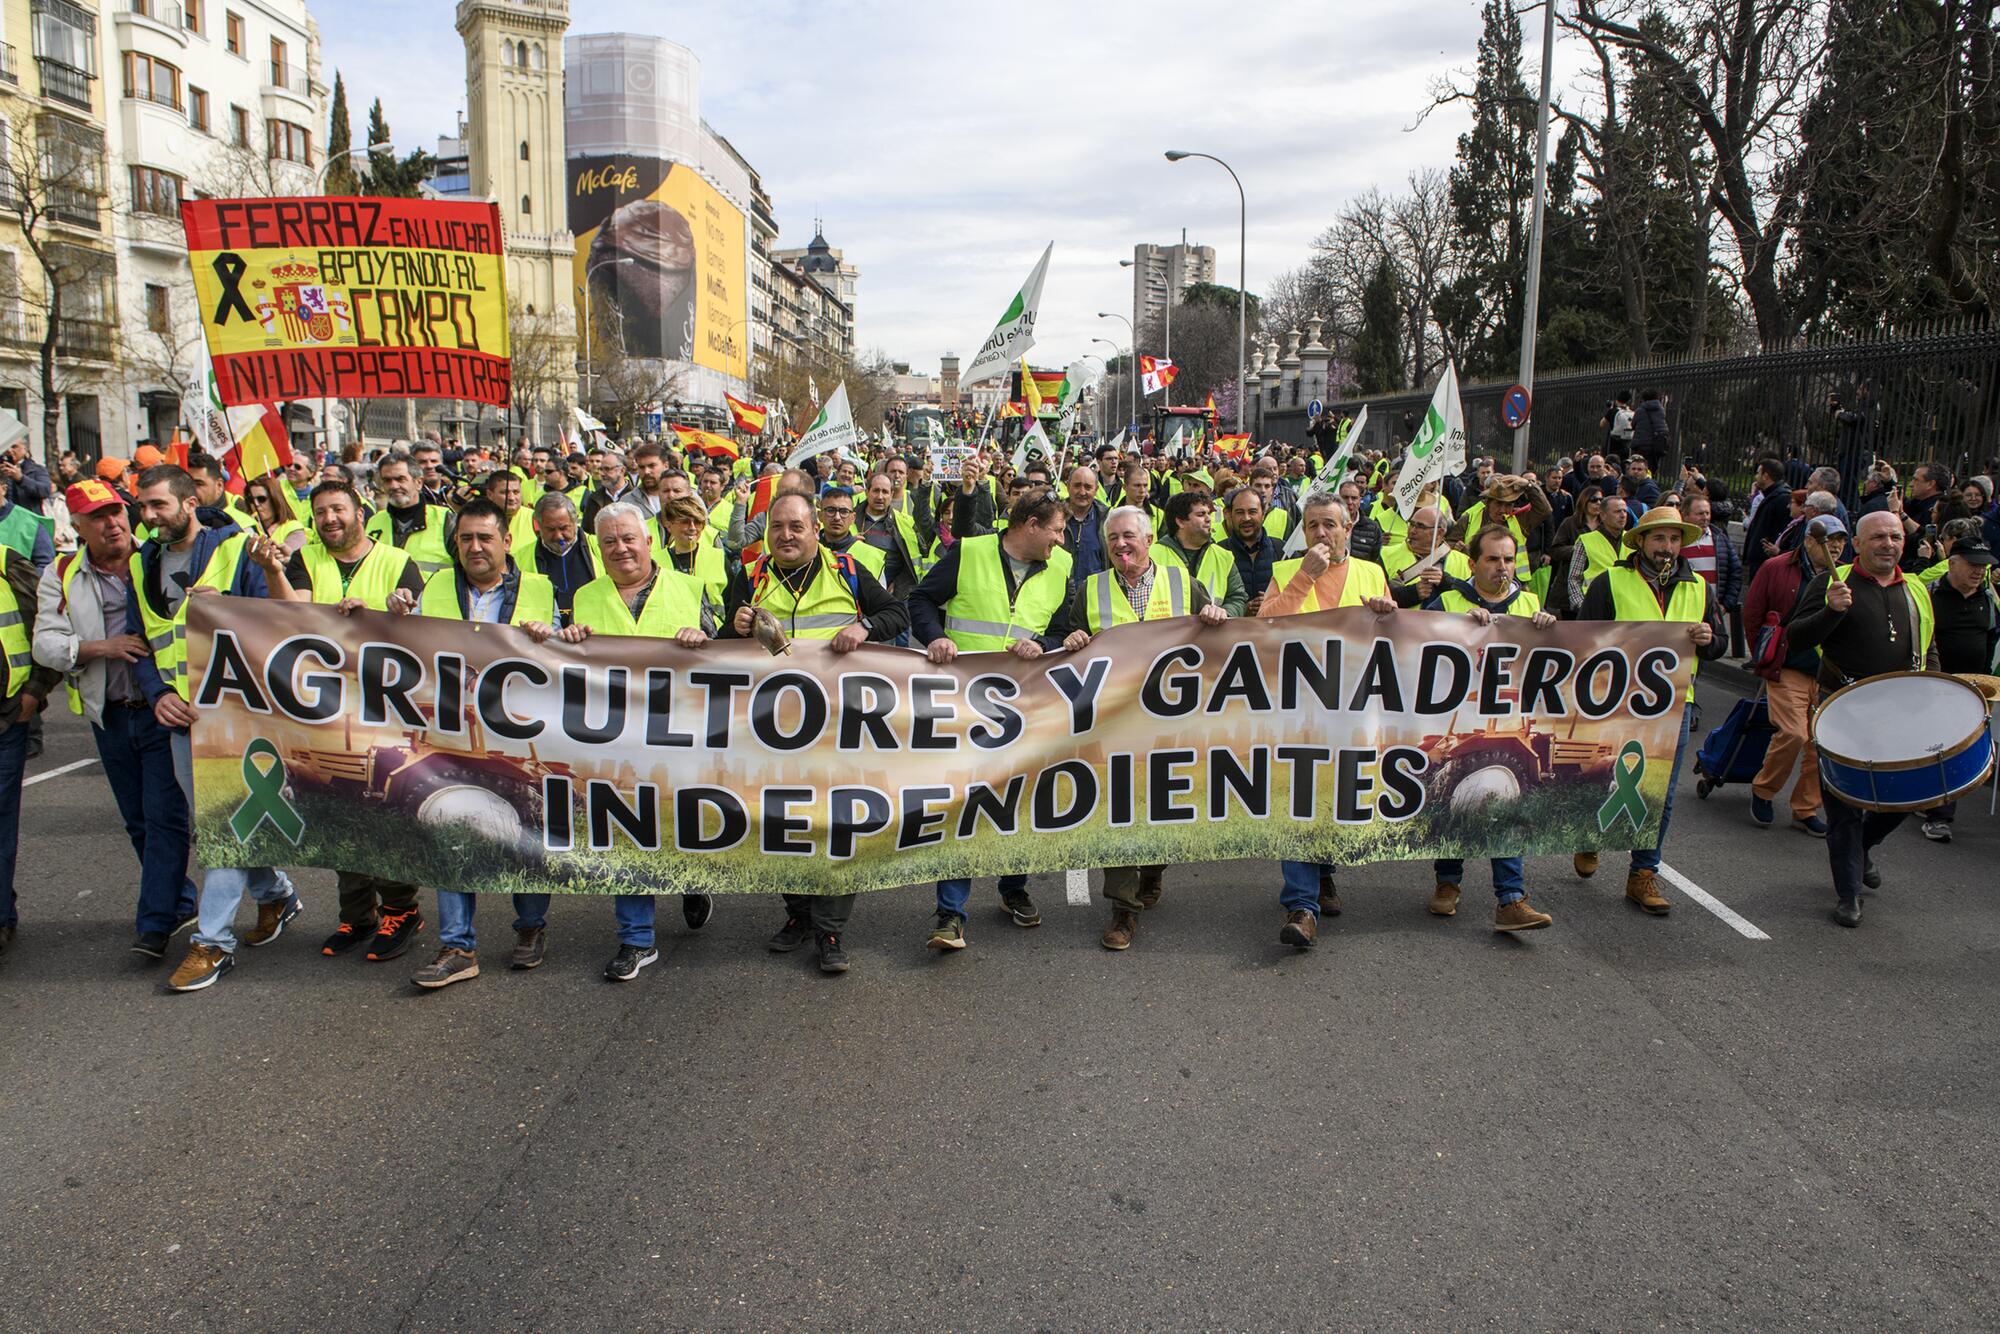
<point>1440,443</point>
<point>1329,478</point>
<point>832,429</point>
<point>812,390</point>
<point>1117,442</point>
<point>210,422</point>
<point>587,422</point>
<point>1034,441</point>
<point>1015,333</point>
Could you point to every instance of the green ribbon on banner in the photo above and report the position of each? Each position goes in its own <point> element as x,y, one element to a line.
<point>1625,799</point>
<point>267,796</point>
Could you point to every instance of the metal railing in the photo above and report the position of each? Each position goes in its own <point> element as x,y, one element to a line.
<point>290,78</point>
<point>1932,393</point>
<point>9,197</point>
<point>86,339</point>
<point>160,11</point>
<point>76,207</point>
<point>166,97</point>
<point>65,83</point>
<point>10,70</point>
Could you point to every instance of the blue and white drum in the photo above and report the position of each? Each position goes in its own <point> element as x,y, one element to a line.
<point>1903,742</point>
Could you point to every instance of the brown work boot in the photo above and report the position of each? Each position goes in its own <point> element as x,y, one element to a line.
<point>1444,900</point>
<point>1329,897</point>
<point>1151,885</point>
<point>1639,888</point>
<point>1124,926</point>
<point>1301,929</point>
<point>1585,863</point>
<point>1518,916</point>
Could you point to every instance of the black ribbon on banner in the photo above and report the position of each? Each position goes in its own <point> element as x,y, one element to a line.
<point>230,268</point>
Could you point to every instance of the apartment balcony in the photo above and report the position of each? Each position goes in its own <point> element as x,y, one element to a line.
<point>153,27</point>
<point>10,69</point>
<point>10,198</point>
<point>286,88</point>
<point>77,339</point>
<point>65,83</point>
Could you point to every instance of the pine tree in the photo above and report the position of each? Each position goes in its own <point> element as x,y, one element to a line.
<point>1492,191</point>
<point>387,173</point>
<point>1378,351</point>
<point>341,178</point>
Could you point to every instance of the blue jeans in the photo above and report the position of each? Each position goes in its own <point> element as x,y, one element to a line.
<point>13,764</point>
<point>1301,892</point>
<point>1648,859</point>
<point>222,891</point>
<point>952,894</point>
<point>138,758</point>
<point>531,912</point>
<point>1508,882</point>
<point>634,913</point>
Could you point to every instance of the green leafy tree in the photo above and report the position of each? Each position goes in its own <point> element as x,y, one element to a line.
<point>1492,192</point>
<point>389,174</point>
<point>1378,349</point>
<point>341,178</point>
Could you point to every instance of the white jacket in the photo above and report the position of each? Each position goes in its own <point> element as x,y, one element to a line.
<point>61,627</point>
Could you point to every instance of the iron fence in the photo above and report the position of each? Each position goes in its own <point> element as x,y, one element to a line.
<point>1927,393</point>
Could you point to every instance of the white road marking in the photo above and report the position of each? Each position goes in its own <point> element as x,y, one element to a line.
<point>1077,883</point>
<point>58,772</point>
<point>1707,900</point>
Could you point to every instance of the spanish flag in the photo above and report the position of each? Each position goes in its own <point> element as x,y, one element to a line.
<point>749,417</point>
<point>263,444</point>
<point>1209,407</point>
<point>762,492</point>
<point>707,443</point>
<point>1013,410</point>
<point>1233,446</point>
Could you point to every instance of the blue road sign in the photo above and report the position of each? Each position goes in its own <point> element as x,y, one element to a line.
<point>1514,406</point>
<point>1315,409</point>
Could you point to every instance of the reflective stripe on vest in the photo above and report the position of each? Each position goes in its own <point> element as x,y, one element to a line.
<point>13,629</point>
<point>673,605</point>
<point>826,609</point>
<point>168,635</point>
<point>1216,565</point>
<point>979,618</point>
<point>1365,580</point>
<point>425,545</point>
<point>535,600</point>
<point>1599,555</point>
<point>1920,599</point>
<point>69,572</point>
<point>1475,519</point>
<point>1633,599</point>
<point>372,582</point>
<point>1107,605</point>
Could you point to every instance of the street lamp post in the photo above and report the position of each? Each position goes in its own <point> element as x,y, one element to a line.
<point>1115,404</point>
<point>590,384</point>
<point>1132,363</point>
<point>1242,296</point>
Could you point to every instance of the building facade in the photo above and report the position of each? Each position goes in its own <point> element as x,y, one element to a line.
<point>828,269</point>
<point>1164,272</point>
<point>515,154</point>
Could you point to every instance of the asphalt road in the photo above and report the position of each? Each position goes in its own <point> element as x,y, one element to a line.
<point>1620,1122</point>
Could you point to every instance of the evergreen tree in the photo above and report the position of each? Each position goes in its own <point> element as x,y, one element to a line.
<point>387,173</point>
<point>341,178</point>
<point>1492,191</point>
<point>1378,349</point>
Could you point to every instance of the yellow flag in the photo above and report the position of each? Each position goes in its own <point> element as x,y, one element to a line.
<point>1032,390</point>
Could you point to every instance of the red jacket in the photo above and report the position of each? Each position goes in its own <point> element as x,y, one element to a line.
<point>1773,593</point>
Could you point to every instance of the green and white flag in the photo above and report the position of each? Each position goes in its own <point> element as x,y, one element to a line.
<point>1440,443</point>
<point>1329,478</point>
<point>1035,441</point>
<point>832,429</point>
<point>1015,333</point>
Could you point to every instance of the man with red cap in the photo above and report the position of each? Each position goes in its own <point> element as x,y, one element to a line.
<point>80,632</point>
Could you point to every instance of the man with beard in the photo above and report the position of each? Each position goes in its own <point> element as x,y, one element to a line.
<point>406,520</point>
<point>503,488</point>
<point>558,552</point>
<point>609,487</point>
<point>1254,549</point>
<point>182,559</point>
<point>350,571</point>
<point>1653,583</point>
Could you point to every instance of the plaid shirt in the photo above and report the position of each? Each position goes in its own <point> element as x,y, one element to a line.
<point>1140,593</point>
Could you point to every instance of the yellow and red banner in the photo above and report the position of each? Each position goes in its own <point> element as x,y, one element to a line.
<point>639,765</point>
<point>1233,446</point>
<point>707,442</point>
<point>351,298</point>
<point>749,417</point>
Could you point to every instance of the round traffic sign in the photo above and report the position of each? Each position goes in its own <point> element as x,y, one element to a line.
<point>1514,406</point>
<point>1315,409</point>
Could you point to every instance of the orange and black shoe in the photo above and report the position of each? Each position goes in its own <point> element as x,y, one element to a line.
<point>397,931</point>
<point>346,938</point>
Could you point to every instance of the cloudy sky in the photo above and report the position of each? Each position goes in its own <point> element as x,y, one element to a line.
<point>944,145</point>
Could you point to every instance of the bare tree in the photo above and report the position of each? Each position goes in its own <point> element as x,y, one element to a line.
<point>54,179</point>
<point>541,347</point>
<point>621,387</point>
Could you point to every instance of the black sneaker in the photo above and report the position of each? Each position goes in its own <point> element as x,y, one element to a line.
<point>696,909</point>
<point>795,932</point>
<point>1021,908</point>
<point>625,964</point>
<point>832,958</point>
<point>397,931</point>
<point>184,924</point>
<point>151,944</point>
<point>347,938</point>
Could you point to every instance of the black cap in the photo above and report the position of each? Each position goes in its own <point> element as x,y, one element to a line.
<point>1974,553</point>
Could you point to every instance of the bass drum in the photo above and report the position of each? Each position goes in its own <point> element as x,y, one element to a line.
<point>1905,741</point>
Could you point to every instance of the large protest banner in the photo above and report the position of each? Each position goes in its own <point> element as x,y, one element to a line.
<point>467,756</point>
<point>351,298</point>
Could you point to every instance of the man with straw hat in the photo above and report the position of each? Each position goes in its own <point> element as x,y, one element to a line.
<point>1652,583</point>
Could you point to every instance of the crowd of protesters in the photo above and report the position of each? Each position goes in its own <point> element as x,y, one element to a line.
<point>1024,554</point>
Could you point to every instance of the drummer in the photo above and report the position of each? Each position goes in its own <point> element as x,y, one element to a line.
<point>1865,619</point>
